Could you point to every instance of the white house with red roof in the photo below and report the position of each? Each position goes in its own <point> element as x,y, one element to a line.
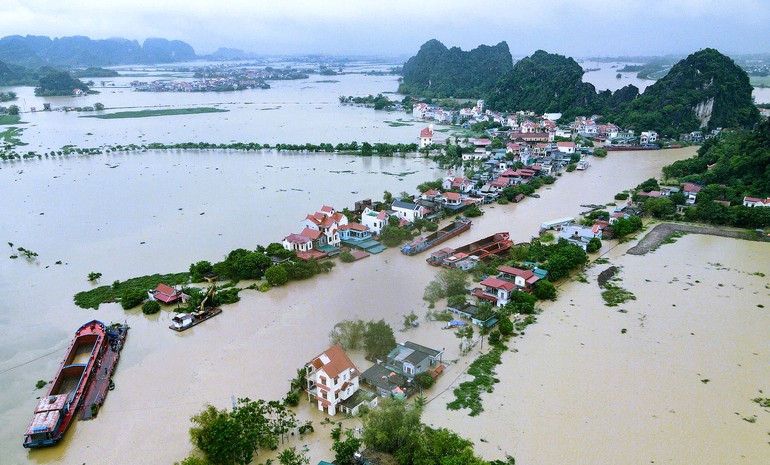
<point>523,279</point>
<point>691,192</point>
<point>755,202</point>
<point>374,220</point>
<point>166,294</point>
<point>426,137</point>
<point>327,221</point>
<point>297,243</point>
<point>331,378</point>
<point>462,184</point>
<point>495,290</point>
<point>566,147</point>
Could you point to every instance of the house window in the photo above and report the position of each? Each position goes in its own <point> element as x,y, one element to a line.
<point>323,380</point>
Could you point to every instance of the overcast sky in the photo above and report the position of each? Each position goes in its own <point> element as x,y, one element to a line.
<point>398,27</point>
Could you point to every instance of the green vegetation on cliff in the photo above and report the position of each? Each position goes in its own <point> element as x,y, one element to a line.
<point>739,159</point>
<point>437,72</point>
<point>706,89</point>
<point>733,166</point>
<point>544,83</point>
<point>59,83</point>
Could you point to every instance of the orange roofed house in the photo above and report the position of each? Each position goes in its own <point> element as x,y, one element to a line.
<point>332,378</point>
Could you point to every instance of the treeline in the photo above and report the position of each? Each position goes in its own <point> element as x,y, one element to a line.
<point>239,264</point>
<point>379,102</point>
<point>351,148</point>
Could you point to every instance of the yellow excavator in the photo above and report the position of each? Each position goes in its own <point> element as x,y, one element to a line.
<point>209,297</point>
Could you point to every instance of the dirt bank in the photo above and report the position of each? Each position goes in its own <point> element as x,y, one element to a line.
<point>663,231</point>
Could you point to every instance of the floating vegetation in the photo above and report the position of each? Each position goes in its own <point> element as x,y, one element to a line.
<point>397,124</point>
<point>601,261</point>
<point>614,295</point>
<point>763,402</point>
<point>468,394</point>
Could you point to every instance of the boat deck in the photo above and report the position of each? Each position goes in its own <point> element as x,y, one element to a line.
<point>100,384</point>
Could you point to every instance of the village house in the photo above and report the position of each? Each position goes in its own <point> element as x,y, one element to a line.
<point>523,279</point>
<point>463,184</point>
<point>755,202</point>
<point>495,290</point>
<point>374,220</point>
<point>408,211</point>
<point>331,379</point>
<point>580,235</point>
<point>166,294</point>
<point>297,243</point>
<point>648,137</point>
<point>426,137</point>
<point>691,192</point>
<point>412,359</point>
<point>327,222</point>
<point>566,147</point>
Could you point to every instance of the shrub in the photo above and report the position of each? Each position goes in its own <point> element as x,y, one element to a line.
<point>424,380</point>
<point>494,337</point>
<point>292,399</point>
<point>276,275</point>
<point>571,167</point>
<point>130,298</point>
<point>150,307</point>
<point>621,196</point>
<point>544,290</point>
<point>347,257</point>
<point>505,327</point>
<point>594,245</point>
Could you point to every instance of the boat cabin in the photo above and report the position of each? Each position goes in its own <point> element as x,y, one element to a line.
<point>48,416</point>
<point>182,320</point>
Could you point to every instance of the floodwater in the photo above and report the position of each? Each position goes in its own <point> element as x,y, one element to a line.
<point>675,387</point>
<point>131,214</point>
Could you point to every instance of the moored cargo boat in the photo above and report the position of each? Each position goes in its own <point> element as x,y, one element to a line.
<point>449,231</point>
<point>481,249</point>
<point>56,410</point>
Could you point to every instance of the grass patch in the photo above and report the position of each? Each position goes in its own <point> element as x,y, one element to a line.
<point>614,295</point>
<point>104,294</point>
<point>150,113</point>
<point>11,136</point>
<point>10,119</point>
<point>397,124</point>
<point>468,394</point>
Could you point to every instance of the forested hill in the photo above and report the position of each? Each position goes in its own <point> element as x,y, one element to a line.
<point>546,82</point>
<point>437,72</point>
<point>738,160</point>
<point>705,90</point>
<point>79,51</point>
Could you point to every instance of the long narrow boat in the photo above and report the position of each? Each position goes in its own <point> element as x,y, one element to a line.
<point>420,244</point>
<point>56,410</point>
<point>482,248</point>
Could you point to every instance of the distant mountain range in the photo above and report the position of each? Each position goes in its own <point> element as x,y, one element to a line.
<point>80,51</point>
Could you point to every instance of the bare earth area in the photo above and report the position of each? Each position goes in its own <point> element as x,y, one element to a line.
<point>663,231</point>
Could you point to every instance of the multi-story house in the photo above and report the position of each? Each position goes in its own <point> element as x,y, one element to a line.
<point>331,379</point>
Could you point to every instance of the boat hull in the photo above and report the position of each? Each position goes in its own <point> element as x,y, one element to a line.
<point>56,410</point>
<point>449,231</point>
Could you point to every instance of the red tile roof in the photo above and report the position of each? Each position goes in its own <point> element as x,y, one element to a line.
<point>515,271</point>
<point>311,233</point>
<point>338,361</point>
<point>426,133</point>
<point>498,284</point>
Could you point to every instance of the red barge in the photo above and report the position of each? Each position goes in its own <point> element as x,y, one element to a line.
<point>483,248</point>
<point>93,350</point>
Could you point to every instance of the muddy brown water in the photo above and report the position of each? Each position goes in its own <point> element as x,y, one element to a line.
<point>617,388</point>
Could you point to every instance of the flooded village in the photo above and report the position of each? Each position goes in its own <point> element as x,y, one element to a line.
<point>652,380</point>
